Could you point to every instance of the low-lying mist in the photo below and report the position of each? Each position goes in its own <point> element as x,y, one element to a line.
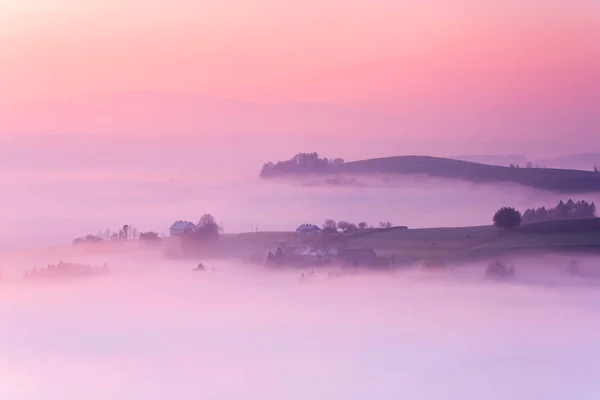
<point>53,209</point>
<point>66,187</point>
<point>154,329</point>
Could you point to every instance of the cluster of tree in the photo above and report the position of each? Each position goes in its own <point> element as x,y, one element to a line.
<point>301,162</point>
<point>528,164</point>
<point>126,233</point>
<point>349,227</point>
<point>88,239</point>
<point>568,210</point>
<point>150,236</point>
<point>66,269</point>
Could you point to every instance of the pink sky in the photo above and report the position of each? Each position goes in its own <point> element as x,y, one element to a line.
<point>506,65</point>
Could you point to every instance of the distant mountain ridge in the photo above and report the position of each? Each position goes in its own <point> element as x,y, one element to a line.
<point>554,180</point>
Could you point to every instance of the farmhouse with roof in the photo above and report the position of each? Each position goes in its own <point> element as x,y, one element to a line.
<point>308,230</point>
<point>182,227</point>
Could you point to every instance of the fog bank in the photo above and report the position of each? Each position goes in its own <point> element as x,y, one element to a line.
<point>154,329</point>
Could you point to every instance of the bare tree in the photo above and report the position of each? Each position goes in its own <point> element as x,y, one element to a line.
<point>385,224</point>
<point>124,233</point>
<point>207,226</point>
<point>362,225</point>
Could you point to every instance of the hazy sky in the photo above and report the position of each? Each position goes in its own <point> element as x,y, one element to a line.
<point>464,67</point>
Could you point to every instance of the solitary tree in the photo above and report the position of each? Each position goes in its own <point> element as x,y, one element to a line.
<point>362,225</point>
<point>207,226</point>
<point>507,218</point>
<point>124,233</point>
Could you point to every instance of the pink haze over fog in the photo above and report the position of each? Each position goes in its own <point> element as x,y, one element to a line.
<point>139,112</point>
<point>108,104</point>
<point>456,70</point>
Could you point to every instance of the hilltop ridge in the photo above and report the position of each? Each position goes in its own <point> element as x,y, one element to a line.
<point>554,180</point>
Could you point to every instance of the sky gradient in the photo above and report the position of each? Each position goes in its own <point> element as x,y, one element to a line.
<point>469,68</point>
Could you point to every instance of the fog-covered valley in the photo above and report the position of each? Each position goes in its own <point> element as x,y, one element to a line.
<point>154,328</point>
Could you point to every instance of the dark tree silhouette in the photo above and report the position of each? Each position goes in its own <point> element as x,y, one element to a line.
<point>351,229</point>
<point>270,258</point>
<point>362,225</point>
<point>569,210</point>
<point>88,239</point>
<point>279,253</point>
<point>124,233</point>
<point>343,225</point>
<point>329,224</point>
<point>507,218</point>
<point>207,226</point>
<point>385,224</point>
<point>150,236</point>
<point>300,163</point>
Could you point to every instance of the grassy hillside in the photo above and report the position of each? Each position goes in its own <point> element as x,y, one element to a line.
<point>463,243</point>
<point>555,180</point>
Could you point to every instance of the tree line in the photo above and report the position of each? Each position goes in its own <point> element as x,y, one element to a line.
<point>568,210</point>
<point>510,218</point>
<point>124,234</point>
<point>348,227</point>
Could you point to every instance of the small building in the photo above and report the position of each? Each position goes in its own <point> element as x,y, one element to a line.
<point>308,230</point>
<point>357,257</point>
<point>182,227</point>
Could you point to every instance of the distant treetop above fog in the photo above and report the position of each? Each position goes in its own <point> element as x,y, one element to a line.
<point>301,162</point>
<point>569,210</point>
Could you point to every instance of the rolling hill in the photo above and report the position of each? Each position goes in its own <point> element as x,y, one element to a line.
<point>554,180</point>
<point>581,237</point>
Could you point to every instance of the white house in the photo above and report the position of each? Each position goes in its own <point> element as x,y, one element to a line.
<point>181,227</point>
<point>308,230</point>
